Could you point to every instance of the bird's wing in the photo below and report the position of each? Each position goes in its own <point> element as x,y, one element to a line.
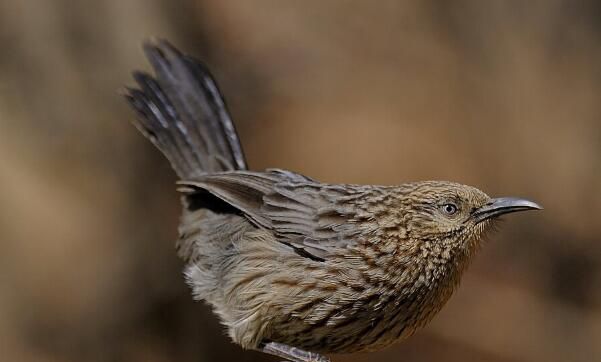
<point>313,218</point>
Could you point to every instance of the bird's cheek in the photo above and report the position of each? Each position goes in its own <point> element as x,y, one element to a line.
<point>421,225</point>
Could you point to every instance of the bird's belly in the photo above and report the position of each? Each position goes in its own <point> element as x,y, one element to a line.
<point>350,320</point>
<point>364,324</point>
<point>272,294</point>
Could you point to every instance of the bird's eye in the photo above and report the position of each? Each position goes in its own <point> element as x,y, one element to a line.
<point>449,209</point>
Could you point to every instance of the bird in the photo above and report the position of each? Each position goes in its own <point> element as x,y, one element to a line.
<point>294,267</point>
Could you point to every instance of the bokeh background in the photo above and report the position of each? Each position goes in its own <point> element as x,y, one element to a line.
<point>503,95</point>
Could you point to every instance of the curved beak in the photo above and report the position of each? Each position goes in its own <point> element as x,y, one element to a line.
<point>503,205</point>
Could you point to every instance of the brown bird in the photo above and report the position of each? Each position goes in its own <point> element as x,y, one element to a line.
<point>292,266</point>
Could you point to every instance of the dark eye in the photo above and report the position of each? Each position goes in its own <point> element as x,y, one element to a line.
<point>449,209</point>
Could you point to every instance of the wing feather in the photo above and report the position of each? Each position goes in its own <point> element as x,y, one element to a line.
<point>309,216</point>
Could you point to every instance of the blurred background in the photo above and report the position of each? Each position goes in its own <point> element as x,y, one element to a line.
<point>502,95</point>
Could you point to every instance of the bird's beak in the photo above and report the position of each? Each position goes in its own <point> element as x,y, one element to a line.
<point>503,205</point>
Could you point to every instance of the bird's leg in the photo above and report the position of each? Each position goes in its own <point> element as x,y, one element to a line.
<point>292,353</point>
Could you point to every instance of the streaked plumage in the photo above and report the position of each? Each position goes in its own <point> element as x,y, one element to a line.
<point>288,262</point>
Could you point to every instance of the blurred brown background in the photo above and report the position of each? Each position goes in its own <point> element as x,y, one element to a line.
<point>502,95</point>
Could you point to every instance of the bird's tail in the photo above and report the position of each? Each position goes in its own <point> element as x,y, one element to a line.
<point>182,112</point>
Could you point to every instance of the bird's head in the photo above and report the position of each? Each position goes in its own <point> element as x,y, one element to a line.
<point>449,217</point>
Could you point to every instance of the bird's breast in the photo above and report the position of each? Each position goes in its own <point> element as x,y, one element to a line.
<point>359,305</point>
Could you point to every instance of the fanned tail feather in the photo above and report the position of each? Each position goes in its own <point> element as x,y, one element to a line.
<point>182,112</point>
